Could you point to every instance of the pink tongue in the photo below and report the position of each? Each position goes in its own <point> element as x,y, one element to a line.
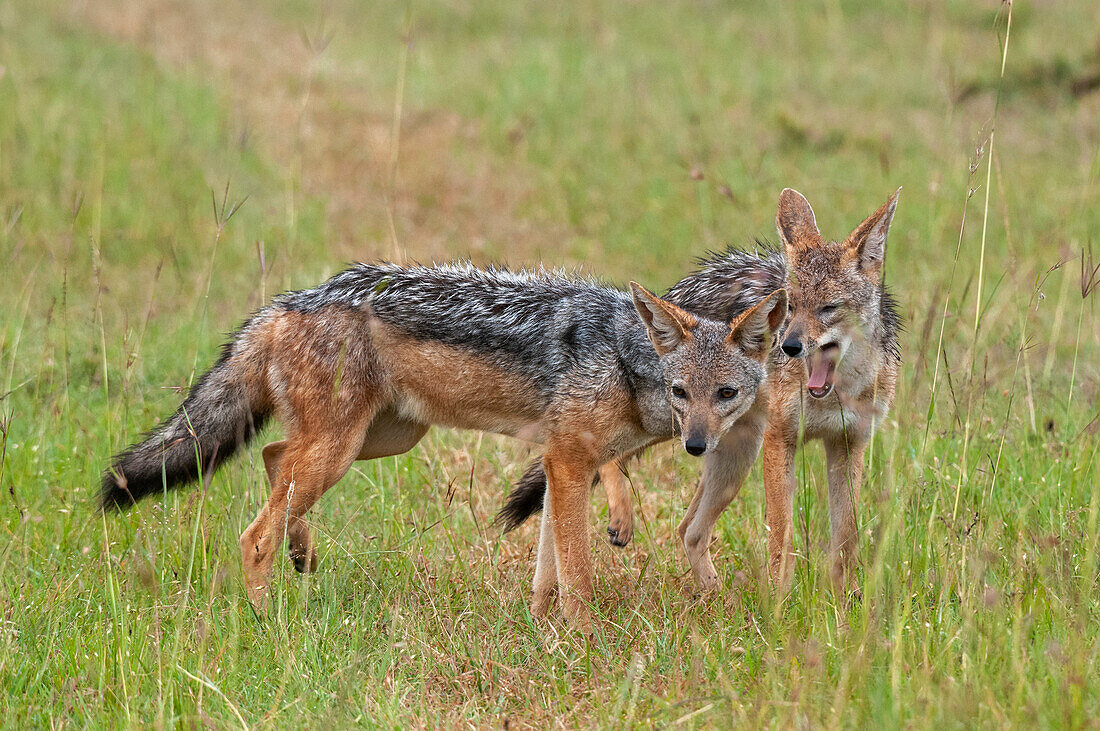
<point>818,374</point>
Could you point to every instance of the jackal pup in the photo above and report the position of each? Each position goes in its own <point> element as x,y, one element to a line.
<point>834,374</point>
<point>361,366</point>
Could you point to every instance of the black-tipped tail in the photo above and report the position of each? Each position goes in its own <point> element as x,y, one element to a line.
<point>525,500</point>
<point>220,414</point>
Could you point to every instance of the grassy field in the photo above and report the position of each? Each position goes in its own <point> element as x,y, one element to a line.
<point>624,139</point>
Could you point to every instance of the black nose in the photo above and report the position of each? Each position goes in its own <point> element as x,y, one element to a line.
<point>695,447</point>
<point>792,347</point>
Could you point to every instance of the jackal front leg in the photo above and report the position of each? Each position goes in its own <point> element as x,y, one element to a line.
<point>780,445</point>
<point>569,473</point>
<point>845,460</point>
<point>724,472</point>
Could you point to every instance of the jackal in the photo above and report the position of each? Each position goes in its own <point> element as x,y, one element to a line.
<point>361,366</point>
<point>834,373</point>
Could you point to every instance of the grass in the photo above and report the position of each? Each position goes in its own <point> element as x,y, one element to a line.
<point>624,139</point>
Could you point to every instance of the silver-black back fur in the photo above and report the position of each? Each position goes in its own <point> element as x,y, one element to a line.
<point>552,329</point>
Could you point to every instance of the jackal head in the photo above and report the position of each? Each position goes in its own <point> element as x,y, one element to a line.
<point>835,288</point>
<point>712,369</point>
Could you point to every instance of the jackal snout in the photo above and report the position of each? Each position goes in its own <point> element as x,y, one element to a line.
<point>696,445</point>
<point>702,421</point>
<point>712,369</point>
<point>792,343</point>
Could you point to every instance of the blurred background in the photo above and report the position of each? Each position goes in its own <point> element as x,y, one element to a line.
<point>167,165</point>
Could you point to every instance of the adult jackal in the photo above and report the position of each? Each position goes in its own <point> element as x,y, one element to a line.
<point>361,366</point>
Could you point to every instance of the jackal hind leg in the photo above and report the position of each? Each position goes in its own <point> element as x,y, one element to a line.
<point>620,526</point>
<point>302,553</point>
<point>387,435</point>
<point>301,468</point>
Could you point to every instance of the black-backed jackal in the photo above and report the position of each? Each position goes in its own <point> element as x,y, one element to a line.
<point>361,366</point>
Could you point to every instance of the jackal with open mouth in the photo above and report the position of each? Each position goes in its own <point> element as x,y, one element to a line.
<point>831,378</point>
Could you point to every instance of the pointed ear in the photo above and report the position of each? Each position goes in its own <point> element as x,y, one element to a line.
<point>754,331</point>
<point>868,242</point>
<point>796,223</point>
<point>667,324</point>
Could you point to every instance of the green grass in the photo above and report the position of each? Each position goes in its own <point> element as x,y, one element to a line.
<point>565,134</point>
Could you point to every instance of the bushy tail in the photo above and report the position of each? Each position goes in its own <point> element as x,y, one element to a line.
<point>222,412</point>
<point>525,499</point>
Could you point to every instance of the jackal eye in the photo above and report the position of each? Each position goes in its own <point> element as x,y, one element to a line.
<point>828,309</point>
<point>679,392</point>
<point>727,393</point>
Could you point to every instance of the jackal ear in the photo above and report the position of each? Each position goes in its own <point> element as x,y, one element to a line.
<point>754,331</point>
<point>668,326</point>
<point>796,223</point>
<point>868,241</point>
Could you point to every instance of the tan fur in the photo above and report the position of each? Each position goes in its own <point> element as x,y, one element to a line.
<point>348,386</point>
<point>329,424</point>
<point>362,365</point>
<point>331,419</point>
<point>442,385</point>
<point>865,383</point>
<point>574,455</point>
<point>582,441</point>
<point>866,380</point>
<point>724,471</point>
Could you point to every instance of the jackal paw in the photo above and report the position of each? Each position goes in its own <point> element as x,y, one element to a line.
<point>540,603</point>
<point>302,563</point>
<point>582,625</point>
<point>707,581</point>
<point>257,594</point>
<point>619,533</point>
<point>578,618</point>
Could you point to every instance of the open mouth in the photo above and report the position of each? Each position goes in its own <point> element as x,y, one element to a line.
<point>822,368</point>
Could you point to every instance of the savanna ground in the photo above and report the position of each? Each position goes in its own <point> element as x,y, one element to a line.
<point>624,139</point>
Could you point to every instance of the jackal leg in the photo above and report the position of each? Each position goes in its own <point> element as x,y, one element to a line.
<point>302,553</point>
<point>305,465</point>
<point>724,472</point>
<point>620,527</point>
<point>845,460</point>
<point>780,445</point>
<point>570,467</point>
<point>388,434</point>
<point>620,530</point>
<point>546,566</point>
